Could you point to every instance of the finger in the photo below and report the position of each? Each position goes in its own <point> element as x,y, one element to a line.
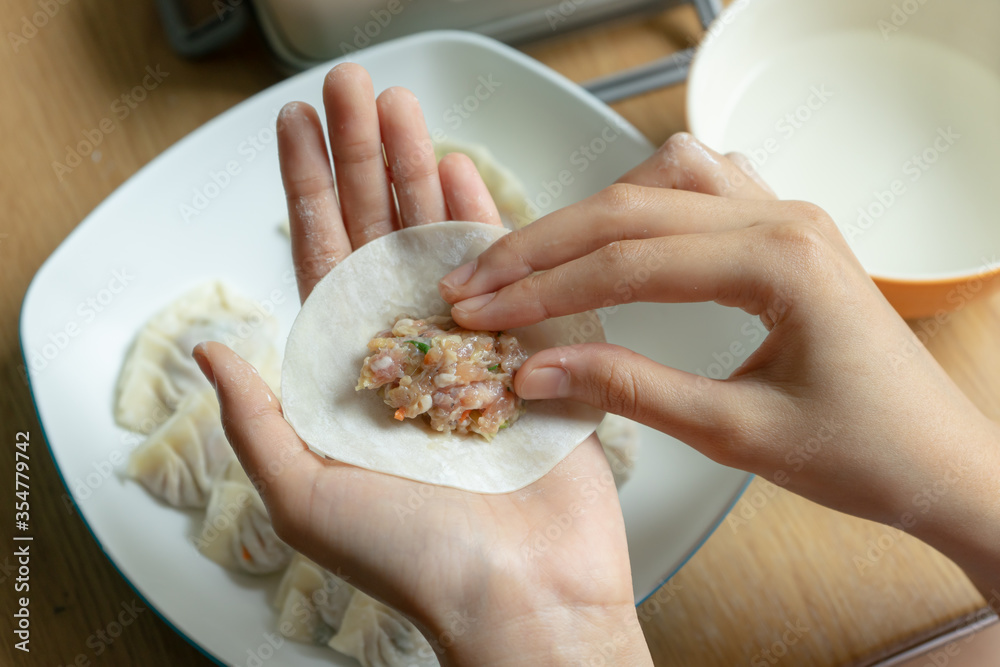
<point>319,239</point>
<point>356,143</point>
<point>684,163</point>
<point>620,212</point>
<point>689,407</point>
<point>273,456</point>
<point>411,159</point>
<point>724,267</point>
<point>747,166</point>
<point>465,194</point>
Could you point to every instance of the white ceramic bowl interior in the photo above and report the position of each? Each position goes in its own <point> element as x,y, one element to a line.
<point>884,112</point>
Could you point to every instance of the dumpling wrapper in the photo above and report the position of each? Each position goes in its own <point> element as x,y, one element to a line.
<point>394,275</point>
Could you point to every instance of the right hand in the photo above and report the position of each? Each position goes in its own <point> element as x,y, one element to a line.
<point>841,403</point>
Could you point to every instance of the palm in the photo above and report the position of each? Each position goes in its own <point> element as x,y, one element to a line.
<point>415,545</point>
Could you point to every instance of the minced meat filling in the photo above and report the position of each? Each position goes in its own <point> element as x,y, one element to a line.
<point>461,380</point>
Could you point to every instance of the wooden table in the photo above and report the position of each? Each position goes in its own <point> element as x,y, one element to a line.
<point>785,561</point>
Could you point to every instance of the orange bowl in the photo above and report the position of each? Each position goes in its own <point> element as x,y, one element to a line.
<point>885,113</point>
<point>914,299</point>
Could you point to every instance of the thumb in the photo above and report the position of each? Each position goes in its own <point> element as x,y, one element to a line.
<point>278,463</point>
<point>689,407</point>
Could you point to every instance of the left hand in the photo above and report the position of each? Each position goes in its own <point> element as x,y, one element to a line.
<point>436,554</point>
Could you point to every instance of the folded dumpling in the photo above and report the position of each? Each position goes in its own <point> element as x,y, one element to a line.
<point>505,187</point>
<point>233,472</point>
<point>620,439</point>
<point>181,459</point>
<point>379,636</point>
<point>237,531</point>
<point>159,371</point>
<point>311,602</point>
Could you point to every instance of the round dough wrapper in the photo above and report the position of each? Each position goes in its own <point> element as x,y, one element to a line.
<point>394,275</point>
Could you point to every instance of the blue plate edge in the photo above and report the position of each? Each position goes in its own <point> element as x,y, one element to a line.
<point>704,538</point>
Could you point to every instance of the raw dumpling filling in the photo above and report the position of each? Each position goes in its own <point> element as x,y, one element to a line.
<point>461,380</point>
<point>365,293</point>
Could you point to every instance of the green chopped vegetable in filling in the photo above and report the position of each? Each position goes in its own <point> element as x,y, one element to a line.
<point>423,347</point>
<point>493,367</point>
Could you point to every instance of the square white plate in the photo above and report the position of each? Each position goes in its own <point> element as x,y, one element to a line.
<point>183,219</point>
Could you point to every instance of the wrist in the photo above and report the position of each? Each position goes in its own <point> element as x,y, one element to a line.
<point>511,616</point>
<point>556,634</point>
<point>955,508</point>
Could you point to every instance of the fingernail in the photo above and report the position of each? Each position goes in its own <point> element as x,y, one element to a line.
<point>548,382</point>
<point>201,359</point>
<point>474,304</point>
<point>459,276</point>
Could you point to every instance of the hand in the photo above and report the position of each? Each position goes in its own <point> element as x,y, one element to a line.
<point>841,403</point>
<point>489,565</point>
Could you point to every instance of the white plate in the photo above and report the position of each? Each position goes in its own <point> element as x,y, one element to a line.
<point>535,121</point>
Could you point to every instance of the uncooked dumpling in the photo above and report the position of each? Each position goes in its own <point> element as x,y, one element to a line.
<point>505,187</point>
<point>159,370</point>
<point>620,439</point>
<point>379,636</point>
<point>311,602</point>
<point>237,532</point>
<point>181,459</point>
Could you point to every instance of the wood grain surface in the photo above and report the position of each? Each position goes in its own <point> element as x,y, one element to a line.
<point>779,565</point>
